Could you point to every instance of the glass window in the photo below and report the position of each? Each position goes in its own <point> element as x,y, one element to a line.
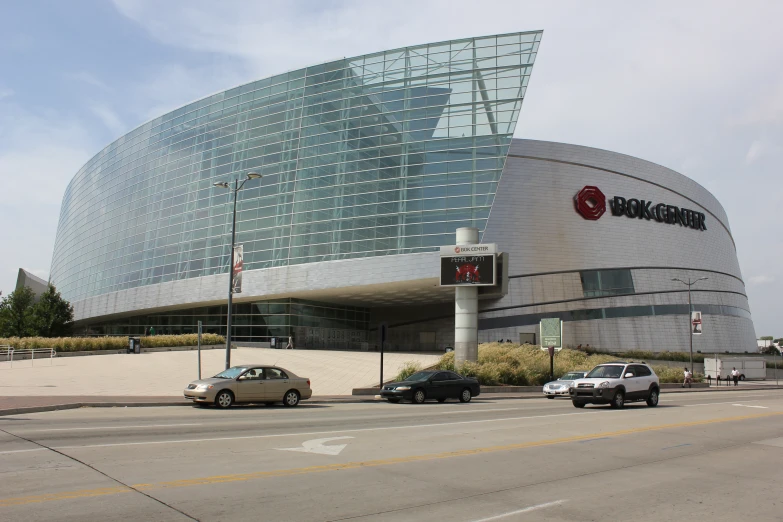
<point>253,374</point>
<point>642,371</point>
<point>331,125</point>
<point>275,373</point>
<point>598,283</point>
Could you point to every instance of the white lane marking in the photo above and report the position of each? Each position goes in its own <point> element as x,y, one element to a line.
<point>723,395</point>
<point>711,403</point>
<point>21,451</point>
<point>523,510</point>
<point>317,446</point>
<point>330,432</point>
<point>750,406</point>
<point>116,427</point>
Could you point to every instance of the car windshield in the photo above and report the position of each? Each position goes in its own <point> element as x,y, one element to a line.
<point>611,372</point>
<point>571,376</point>
<point>419,376</point>
<point>231,373</point>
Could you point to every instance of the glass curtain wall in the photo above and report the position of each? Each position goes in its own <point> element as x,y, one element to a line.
<point>381,154</point>
<point>312,324</point>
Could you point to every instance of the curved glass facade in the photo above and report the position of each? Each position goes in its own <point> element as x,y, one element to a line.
<point>386,153</point>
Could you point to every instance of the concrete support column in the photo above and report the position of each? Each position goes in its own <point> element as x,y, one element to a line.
<point>466,309</point>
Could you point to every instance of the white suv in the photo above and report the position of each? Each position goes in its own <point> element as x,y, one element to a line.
<point>616,383</point>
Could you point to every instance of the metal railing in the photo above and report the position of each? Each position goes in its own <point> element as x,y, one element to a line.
<point>43,353</point>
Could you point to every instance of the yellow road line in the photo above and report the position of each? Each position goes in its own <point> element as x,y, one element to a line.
<point>220,479</point>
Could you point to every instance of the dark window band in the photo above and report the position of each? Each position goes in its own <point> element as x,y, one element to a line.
<point>610,313</point>
<point>628,268</point>
<point>542,303</point>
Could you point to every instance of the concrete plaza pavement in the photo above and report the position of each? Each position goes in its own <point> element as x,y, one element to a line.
<point>712,456</point>
<point>165,374</point>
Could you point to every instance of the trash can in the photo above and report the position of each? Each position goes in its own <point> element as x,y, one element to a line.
<point>134,345</point>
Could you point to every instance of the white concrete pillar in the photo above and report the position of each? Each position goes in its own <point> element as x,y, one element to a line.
<point>466,309</point>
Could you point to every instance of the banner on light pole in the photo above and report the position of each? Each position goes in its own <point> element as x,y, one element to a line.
<point>237,269</point>
<point>696,323</point>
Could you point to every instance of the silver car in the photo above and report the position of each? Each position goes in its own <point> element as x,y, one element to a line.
<point>256,383</point>
<point>560,387</point>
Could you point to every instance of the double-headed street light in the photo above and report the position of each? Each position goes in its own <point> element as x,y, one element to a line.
<point>689,284</point>
<point>237,187</point>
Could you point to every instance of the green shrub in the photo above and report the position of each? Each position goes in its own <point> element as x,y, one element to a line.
<point>672,375</point>
<point>526,365</point>
<point>407,370</point>
<point>520,365</point>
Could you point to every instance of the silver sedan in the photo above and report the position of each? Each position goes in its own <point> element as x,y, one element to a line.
<point>560,387</point>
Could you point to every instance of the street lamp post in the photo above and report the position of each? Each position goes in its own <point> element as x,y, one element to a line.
<point>689,284</point>
<point>237,187</point>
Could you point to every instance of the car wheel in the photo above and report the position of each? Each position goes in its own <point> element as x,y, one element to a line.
<point>465,396</point>
<point>618,401</point>
<point>441,400</point>
<point>419,396</point>
<point>742,377</point>
<point>393,401</point>
<point>652,400</point>
<point>578,404</point>
<point>224,399</point>
<point>550,396</point>
<point>291,398</point>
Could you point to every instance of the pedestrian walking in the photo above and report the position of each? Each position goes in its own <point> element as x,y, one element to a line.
<point>688,378</point>
<point>735,375</point>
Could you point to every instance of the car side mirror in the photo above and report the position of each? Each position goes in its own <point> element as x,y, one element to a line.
<point>628,375</point>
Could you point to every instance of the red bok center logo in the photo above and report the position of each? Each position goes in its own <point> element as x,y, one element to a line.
<point>590,202</point>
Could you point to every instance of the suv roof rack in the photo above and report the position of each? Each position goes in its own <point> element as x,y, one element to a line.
<point>615,362</point>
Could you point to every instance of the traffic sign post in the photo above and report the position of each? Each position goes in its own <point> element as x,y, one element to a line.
<point>551,333</point>
<point>199,349</point>
<point>383,329</point>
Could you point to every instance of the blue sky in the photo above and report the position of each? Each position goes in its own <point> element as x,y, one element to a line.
<point>694,86</point>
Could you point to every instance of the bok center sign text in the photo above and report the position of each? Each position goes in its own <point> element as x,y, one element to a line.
<point>468,265</point>
<point>590,202</point>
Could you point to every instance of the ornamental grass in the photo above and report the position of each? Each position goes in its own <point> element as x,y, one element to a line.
<point>78,344</point>
<point>528,365</point>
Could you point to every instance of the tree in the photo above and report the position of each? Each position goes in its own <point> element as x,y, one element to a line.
<point>16,313</point>
<point>52,315</point>
<point>766,338</point>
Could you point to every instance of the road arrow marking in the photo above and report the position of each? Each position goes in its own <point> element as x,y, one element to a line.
<point>750,406</point>
<point>317,446</point>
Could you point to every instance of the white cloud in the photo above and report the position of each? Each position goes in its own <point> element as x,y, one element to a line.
<point>39,154</point>
<point>6,93</point>
<point>755,150</point>
<point>760,279</point>
<point>172,86</point>
<point>109,118</point>
<point>88,78</point>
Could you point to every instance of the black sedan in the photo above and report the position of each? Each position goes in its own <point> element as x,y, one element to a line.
<point>432,384</point>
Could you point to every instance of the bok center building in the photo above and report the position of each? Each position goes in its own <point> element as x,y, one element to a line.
<point>369,167</point>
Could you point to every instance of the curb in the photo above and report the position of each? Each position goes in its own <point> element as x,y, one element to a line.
<point>347,399</point>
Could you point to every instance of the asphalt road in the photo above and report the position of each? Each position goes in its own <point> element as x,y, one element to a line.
<point>698,456</point>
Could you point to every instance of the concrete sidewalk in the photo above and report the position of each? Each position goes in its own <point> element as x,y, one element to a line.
<point>165,374</point>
